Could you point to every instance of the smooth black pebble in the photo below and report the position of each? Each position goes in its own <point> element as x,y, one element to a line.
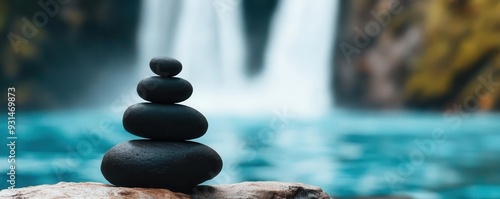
<point>178,166</point>
<point>164,90</point>
<point>165,66</point>
<point>168,122</point>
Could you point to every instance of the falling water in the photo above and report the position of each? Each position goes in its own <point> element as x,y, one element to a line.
<point>207,37</point>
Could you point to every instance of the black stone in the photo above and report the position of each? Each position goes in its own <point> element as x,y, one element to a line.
<point>164,90</point>
<point>165,66</point>
<point>178,166</point>
<point>169,122</point>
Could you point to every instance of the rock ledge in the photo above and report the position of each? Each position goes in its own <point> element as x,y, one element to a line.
<point>271,190</point>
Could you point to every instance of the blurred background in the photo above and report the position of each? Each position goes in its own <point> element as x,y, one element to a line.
<point>362,98</point>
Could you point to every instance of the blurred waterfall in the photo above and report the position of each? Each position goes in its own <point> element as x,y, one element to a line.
<point>207,37</point>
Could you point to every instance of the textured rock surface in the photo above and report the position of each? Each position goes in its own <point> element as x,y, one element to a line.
<point>265,190</point>
<point>260,190</point>
<point>178,166</point>
<point>164,90</point>
<point>172,122</point>
<point>88,190</point>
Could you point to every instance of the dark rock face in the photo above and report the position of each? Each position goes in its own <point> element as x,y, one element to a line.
<point>172,122</point>
<point>96,42</point>
<point>164,90</point>
<point>177,166</point>
<point>257,18</point>
<point>165,66</point>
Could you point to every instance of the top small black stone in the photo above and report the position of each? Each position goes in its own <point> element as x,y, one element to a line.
<point>165,66</point>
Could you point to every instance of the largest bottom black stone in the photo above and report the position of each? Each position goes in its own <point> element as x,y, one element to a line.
<point>178,166</point>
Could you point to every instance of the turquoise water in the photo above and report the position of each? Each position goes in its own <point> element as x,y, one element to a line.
<point>346,153</point>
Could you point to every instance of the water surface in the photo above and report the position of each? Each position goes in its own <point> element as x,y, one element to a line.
<point>345,153</point>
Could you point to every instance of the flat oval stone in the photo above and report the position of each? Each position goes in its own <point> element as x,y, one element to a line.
<point>169,122</point>
<point>165,66</point>
<point>164,90</point>
<point>178,166</point>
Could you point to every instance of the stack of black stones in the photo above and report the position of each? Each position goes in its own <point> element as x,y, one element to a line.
<point>165,159</point>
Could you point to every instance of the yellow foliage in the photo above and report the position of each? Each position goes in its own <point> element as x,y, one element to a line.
<point>457,36</point>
